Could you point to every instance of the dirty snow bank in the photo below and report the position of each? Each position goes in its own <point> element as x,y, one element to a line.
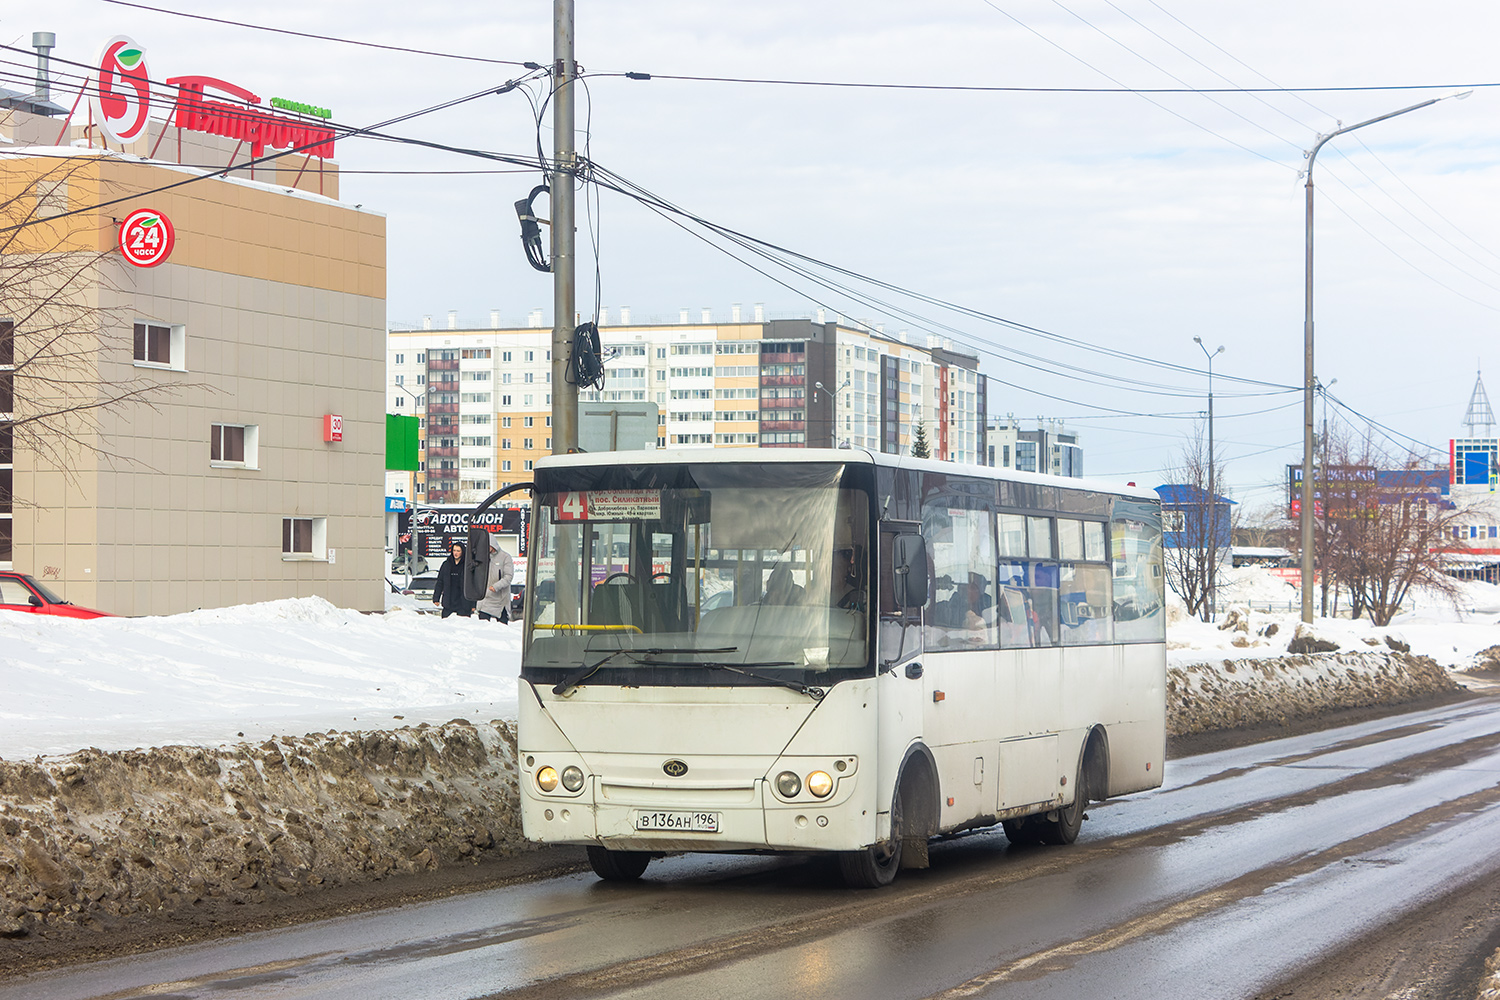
<point>97,838</point>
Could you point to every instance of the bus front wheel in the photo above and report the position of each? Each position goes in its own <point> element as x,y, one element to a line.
<point>875,866</point>
<point>618,866</point>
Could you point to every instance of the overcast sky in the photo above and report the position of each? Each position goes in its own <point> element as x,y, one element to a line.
<point>1126,221</point>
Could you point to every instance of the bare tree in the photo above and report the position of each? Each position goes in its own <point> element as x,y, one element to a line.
<point>1194,525</point>
<point>1382,528</point>
<point>54,333</point>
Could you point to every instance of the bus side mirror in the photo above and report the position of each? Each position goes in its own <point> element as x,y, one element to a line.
<point>909,571</point>
<point>477,563</point>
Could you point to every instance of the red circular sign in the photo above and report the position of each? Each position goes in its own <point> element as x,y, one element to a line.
<point>146,238</point>
<point>122,91</point>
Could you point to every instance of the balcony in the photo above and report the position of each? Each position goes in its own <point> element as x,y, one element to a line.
<point>783,380</point>
<point>434,409</point>
<point>782,359</point>
<point>443,366</point>
<point>442,453</point>
<point>782,425</point>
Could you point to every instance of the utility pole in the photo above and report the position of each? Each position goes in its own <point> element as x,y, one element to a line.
<point>560,180</point>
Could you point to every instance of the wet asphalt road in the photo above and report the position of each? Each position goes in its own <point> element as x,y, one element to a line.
<point>1249,865</point>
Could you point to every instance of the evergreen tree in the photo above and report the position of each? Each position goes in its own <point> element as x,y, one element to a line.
<point>919,448</point>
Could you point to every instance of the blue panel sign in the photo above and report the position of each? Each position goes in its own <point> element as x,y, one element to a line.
<point>1477,467</point>
<point>395,504</point>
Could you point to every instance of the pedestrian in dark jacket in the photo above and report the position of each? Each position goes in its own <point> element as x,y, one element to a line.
<point>449,589</point>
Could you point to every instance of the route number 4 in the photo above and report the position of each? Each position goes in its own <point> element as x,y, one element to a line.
<point>573,507</point>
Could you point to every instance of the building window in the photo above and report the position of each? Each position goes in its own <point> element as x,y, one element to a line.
<point>160,346</point>
<point>529,444</point>
<point>304,538</point>
<point>234,446</point>
<point>505,444</point>
<point>505,465</point>
<point>529,421</point>
<point>529,464</point>
<point>421,359</point>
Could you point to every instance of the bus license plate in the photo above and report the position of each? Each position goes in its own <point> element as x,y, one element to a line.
<point>692,822</point>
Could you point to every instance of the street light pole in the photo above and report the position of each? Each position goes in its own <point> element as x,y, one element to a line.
<point>1213,496</point>
<point>1308,380</point>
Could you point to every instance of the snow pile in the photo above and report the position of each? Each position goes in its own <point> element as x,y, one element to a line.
<point>96,838</point>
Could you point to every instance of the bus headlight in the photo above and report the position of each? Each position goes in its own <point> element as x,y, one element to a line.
<point>820,784</point>
<point>788,784</point>
<point>546,778</point>
<point>572,778</point>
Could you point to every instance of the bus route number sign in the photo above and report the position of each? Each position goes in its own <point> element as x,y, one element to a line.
<point>610,505</point>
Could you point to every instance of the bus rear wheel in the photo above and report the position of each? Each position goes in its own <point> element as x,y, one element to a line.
<point>875,866</point>
<point>618,866</point>
<point>1064,829</point>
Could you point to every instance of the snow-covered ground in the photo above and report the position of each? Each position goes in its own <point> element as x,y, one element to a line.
<point>243,673</point>
<point>1432,626</point>
<point>298,666</point>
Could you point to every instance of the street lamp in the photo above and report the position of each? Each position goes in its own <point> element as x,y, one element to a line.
<point>1213,497</point>
<point>833,406</point>
<point>1308,380</point>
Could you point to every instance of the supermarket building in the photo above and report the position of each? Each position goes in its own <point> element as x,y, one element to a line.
<point>254,471</point>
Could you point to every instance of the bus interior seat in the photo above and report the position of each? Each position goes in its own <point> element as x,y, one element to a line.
<point>613,604</point>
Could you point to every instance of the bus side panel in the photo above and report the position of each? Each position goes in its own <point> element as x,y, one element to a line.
<point>1138,742</point>
<point>960,712</point>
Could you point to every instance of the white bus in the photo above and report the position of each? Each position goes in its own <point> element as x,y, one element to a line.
<point>831,651</point>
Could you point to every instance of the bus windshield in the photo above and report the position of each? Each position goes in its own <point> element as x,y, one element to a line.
<point>710,574</point>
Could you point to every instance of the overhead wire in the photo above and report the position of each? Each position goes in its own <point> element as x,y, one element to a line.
<point>316,37</point>
<point>633,190</point>
<point>1163,70</point>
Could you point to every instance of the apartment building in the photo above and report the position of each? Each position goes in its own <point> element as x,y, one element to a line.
<point>485,395</point>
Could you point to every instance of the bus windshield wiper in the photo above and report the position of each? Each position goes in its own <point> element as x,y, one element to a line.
<point>586,670</point>
<point>747,669</point>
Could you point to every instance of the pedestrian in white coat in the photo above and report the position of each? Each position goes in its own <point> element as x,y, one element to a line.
<point>495,604</point>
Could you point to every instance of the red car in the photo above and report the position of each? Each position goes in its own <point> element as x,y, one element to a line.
<point>20,592</point>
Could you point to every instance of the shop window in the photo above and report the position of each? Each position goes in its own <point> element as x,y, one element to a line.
<point>160,346</point>
<point>304,538</point>
<point>234,446</point>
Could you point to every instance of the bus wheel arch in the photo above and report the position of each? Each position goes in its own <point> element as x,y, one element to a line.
<point>1090,785</point>
<point>914,819</point>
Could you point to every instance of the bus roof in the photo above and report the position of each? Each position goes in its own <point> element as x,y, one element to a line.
<point>790,456</point>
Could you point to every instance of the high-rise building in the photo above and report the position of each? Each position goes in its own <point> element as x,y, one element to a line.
<point>485,395</point>
<point>1049,448</point>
